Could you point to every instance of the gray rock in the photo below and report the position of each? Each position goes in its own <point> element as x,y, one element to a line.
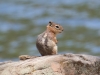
<point>67,64</point>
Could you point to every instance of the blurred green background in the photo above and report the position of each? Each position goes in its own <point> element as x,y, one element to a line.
<point>22,20</point>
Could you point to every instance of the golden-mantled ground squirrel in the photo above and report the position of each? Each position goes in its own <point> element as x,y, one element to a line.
<point>47,42</point>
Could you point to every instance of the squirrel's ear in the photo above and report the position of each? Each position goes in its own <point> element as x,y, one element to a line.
<point>50,23</point>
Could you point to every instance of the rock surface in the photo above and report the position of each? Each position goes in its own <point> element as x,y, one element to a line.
<point>67,64</point>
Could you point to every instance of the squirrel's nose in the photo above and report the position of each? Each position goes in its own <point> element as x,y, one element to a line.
<point>62,30</point>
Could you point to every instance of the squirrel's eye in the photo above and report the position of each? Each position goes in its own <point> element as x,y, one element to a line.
<point>57,26</point>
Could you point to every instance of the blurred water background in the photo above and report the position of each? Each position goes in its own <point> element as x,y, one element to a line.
<point>22,20</point>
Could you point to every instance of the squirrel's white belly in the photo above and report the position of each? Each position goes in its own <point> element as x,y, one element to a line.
<point>48,42</point>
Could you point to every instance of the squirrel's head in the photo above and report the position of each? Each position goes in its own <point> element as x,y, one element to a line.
<point>55,28</point>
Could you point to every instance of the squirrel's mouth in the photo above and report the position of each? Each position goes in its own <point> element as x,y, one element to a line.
<point>61,31</point>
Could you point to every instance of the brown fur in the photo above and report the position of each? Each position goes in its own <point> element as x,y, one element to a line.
<point>46,41</point>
